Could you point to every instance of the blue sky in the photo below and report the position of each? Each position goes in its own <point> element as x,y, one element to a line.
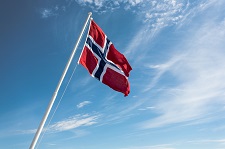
<point>176,50</point>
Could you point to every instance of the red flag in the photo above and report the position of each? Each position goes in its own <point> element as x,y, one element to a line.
<point>104,62</point>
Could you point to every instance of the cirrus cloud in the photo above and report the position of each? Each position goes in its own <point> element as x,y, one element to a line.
<point>82,104</point>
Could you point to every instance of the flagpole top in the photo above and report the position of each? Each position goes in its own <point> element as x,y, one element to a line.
<point>89,13</point>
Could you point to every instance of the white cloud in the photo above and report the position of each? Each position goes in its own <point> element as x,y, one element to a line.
<point>192,97</point>
<point>199,71</point>
<point>217,142</point>
<point>162,146</point>
<point>98,3</point>
<point>164,13</point>
<point>193,69</point>
<point>73,122</point>
<point>147,108</point>
<point>47,13</point>
<point>220,141</point>
<point>68,124</point>
<point>161,70</point>
<point>32,131</point>
<point>52,11</point>
<point>156,13</point>
<point>134,2</point>
<point>82,104</point>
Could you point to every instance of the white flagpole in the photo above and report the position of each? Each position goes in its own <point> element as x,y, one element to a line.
<point>38,132</point>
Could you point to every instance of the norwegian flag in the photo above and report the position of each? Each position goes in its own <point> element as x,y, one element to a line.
<point>104,62</point>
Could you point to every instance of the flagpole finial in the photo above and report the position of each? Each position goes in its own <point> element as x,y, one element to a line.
<point>90,13</point>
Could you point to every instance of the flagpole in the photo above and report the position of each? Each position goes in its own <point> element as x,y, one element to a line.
<point>38,132</point>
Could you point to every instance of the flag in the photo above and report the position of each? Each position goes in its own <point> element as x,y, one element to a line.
<point>104,62</point>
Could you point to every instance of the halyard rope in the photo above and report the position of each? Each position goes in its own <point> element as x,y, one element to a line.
<point>56,107</point>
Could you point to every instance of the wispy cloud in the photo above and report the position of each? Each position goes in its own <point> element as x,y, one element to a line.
<point>52,11</point>
<point>98,3</point>
<point>45,13</point>
<point>214,143</point>
<point>191,69</point>
<point>220,141</point>
<point>73,122</point>
<point>162,146</point>
<point>68,124</point>
<point>198,73</point>
<point>82,104</point>
<point>201,61</point>
<point>147,108</point>
<point>26,131</point>
<point>157,15</point>
<point>161,69</point>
